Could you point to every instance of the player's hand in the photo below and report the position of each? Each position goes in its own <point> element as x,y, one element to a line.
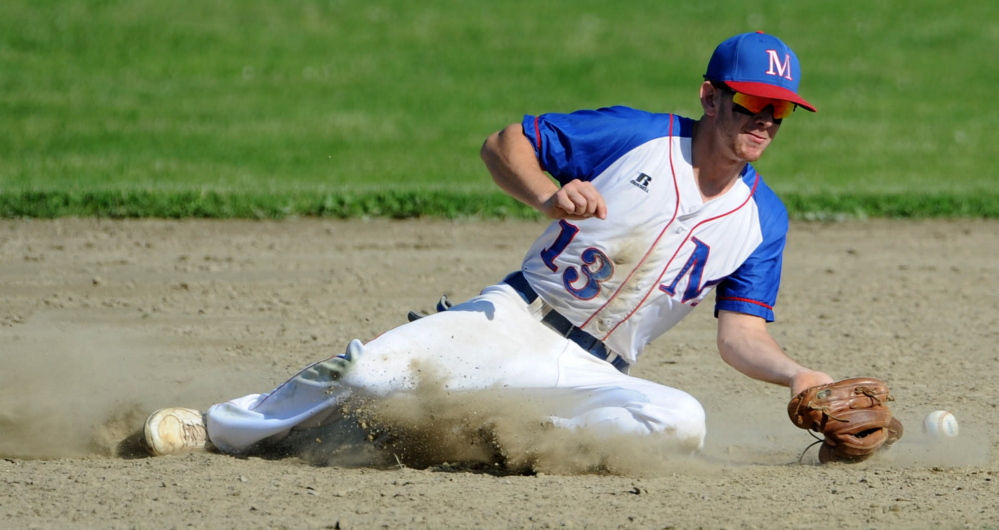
<point>576,200</point>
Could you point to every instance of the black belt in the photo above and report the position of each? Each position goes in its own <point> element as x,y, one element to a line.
<point>559,323</point>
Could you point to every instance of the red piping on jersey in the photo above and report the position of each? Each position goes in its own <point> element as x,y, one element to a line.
<point>747,300</point>
<point>690,234</point>
<point>676,211</point>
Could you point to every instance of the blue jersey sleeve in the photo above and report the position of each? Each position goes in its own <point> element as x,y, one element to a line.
<point>753,287</point>
<point>580,145</point>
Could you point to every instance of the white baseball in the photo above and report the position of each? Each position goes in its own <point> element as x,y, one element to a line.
<point>940,424</point>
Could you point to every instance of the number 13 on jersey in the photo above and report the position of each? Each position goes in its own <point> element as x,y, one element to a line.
<point>597,267</point>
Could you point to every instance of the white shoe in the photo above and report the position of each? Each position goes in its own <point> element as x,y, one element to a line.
<point>175,430</point>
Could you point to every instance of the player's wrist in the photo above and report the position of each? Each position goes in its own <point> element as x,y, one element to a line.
<point>807,379</point>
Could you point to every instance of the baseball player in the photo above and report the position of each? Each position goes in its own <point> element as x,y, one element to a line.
<point>650,212</point>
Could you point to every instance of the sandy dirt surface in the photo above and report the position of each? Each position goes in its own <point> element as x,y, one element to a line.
<point>101,322</point>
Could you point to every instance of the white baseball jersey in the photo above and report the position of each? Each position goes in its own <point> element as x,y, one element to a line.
<point>630,278</point>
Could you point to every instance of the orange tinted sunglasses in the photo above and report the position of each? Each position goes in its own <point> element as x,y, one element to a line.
<point>753,105</point>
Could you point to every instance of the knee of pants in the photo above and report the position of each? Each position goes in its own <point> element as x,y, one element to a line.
<point>659,411</point>
<point>682,419</point>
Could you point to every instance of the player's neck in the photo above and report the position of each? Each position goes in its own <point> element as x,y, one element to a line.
<point>714,172</point>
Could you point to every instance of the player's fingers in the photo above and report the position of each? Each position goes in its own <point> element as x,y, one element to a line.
<point>575,200</point>
<point>563,208</point>
<point>555,206</point>
<point>595,205</point>
<point>601,211</point>
<point>575,206</point>
<point>587,200</point>
<point>568,206</point>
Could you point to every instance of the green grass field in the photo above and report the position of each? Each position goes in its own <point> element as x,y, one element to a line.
<point>268,108</point>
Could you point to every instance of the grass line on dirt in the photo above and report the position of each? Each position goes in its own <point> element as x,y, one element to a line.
<point>436,204</point>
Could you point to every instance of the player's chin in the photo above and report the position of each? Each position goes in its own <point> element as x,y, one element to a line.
<point>752,151</point>
<point>750,155</point>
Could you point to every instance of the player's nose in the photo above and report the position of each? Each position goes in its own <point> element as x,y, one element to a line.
<point>765,117</point>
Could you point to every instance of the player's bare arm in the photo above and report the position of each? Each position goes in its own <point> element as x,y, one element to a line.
<point>511,161</point>
<point>745,344</point>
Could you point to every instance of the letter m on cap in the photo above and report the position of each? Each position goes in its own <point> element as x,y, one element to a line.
<point>778,68</point>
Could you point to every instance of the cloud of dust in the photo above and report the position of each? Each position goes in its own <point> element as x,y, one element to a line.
<point>72,387</point>
<point>509,431</point>
<point>76,388</point>
<point>494,430</point>
<point>64,391</point>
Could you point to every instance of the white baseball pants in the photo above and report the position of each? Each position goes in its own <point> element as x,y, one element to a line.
<point>492,341</point>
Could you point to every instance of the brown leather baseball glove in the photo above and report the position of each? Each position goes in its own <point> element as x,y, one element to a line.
<point>853,416</point>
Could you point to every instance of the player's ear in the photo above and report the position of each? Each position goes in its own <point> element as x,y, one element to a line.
<point>710,98</point>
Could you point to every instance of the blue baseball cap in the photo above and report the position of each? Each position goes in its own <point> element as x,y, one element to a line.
<point>759,65</point>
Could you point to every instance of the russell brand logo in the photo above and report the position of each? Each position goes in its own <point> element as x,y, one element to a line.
<point>642,182</point>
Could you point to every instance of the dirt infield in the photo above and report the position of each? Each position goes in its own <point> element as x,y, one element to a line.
<point>104,321</point>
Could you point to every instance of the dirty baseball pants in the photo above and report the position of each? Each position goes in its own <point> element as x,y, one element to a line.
<point>493,341</point>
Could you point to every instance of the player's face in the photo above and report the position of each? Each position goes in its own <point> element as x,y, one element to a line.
<point>747,135</point>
